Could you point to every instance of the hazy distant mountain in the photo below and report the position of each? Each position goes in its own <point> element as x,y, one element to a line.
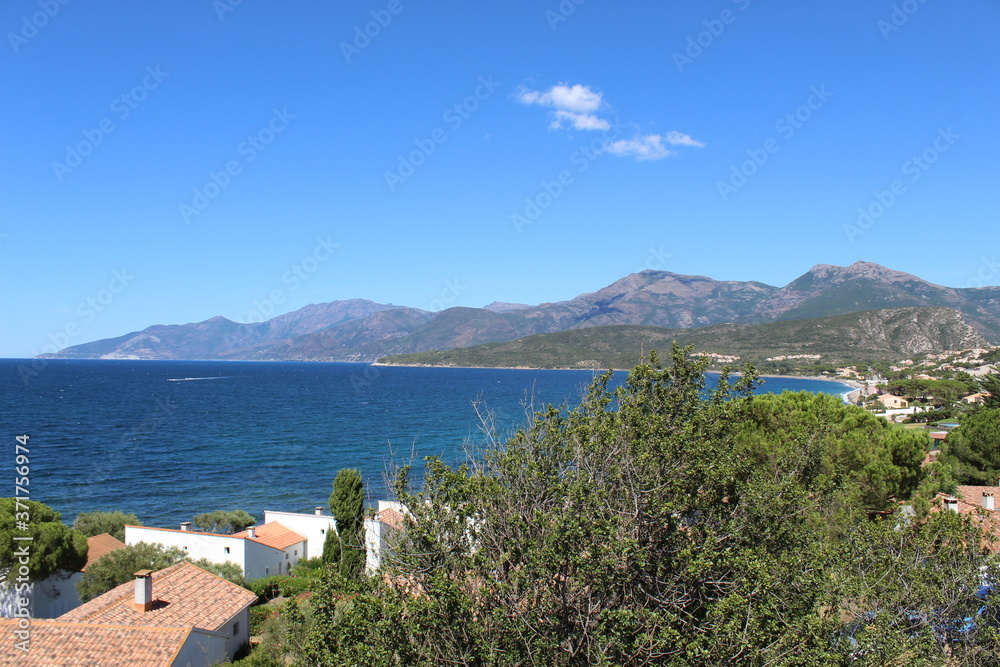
<point>360,330</point>
<point>504,307</point>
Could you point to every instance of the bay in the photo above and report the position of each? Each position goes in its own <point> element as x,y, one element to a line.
<point>170,439</point>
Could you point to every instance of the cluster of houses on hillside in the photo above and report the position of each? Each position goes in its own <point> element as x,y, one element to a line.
<point>181,615</point>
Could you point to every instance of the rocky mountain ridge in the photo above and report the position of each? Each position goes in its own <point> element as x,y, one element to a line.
<point>361,330</point>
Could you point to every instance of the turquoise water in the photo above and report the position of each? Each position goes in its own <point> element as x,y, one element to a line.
<point>170,439</point>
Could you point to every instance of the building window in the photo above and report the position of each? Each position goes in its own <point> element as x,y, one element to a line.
<point>322,531</point>
<point>236,628</point>
<point>286,556</point>
<point>296,552</point>
<point>227,549</point>
<point>267,570</point>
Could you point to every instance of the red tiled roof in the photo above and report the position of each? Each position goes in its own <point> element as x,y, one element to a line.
<point>989,520</point>
<point>99,546</point>
<point>56,643</point>
<point>391,517</point>
<point>974,494</point>
<point>274,535</point>
<point>184,595</point>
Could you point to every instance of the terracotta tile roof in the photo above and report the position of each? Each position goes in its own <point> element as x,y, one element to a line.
<point>274,535</point>
<point>61,644</point>
<point>974,494</point>
<point>99,546</point>
<point>391,517</point>
<point>183,596</point>
<point>989,520</point>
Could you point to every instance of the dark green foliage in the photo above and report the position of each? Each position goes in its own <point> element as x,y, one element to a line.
<point>991,385</point>
<point>665,524</point>
<point>268,588</point>
<point>365,622</point>
<point>870,462</point>
<point>347,504</point>
<point>938,392</point>
<point>221,521</point>
<point>120,566</point>
<point>929,417</point>
<point>53,545</point>
<point>331,548</point>
<point>973,449</point>
<point>231,572</point>
<point>309,564</point>
<point>113,523</point>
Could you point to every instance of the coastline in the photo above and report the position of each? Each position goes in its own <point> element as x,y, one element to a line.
<point>854,385</point>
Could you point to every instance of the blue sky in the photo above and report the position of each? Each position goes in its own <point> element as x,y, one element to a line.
<point>172,160</point>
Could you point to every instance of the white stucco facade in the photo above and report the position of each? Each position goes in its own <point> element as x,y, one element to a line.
<point>314,527</point>
<point>252,556</point>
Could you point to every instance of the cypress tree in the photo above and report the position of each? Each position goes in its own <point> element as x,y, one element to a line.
<point>347,505</point>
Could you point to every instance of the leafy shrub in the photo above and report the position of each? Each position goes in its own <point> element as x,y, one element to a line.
<point>268,588</point>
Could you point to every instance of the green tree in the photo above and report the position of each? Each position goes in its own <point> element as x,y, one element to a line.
<point>113,523</point>
<point>871,462</point>
<point>231,572</point>
<point>221,521</point>
<point>120,566</point>
<point>991,385</point>
<point>52,546</point>
<point>668,523</point>
<point>973,449</point>
<point>331,549</point>
<point>347,503</point>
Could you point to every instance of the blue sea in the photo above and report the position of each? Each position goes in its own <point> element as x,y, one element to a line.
<point>170,439</point>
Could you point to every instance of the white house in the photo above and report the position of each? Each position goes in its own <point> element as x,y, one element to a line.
<point>57,594</point>
<point>378,531</point>
<point>262,551</point>
<point>314,527</point>
<point>181,616</point>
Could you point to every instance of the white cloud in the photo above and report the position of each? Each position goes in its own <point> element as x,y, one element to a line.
<point>576,98</point>
<point>649,147</point>
<point>578,121</point>
<point>681,139</point>
<point>575,108</point>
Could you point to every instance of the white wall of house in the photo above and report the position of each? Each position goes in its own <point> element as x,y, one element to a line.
<point>265,561</point>
<point>310,526</point>
<point>215,548</point>
<point>254,558</point>
<point>237,631</point>
<point>202,649</point>
<point>374,544</point>
<point>48,599</point>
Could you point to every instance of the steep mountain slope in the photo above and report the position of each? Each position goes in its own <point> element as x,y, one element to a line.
<point>658,298</point>
<point>872,334</point>
<point>831,290</point>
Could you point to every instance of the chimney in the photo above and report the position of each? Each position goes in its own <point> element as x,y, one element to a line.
<point>988,501</point>
<point>143,591</point>
<point>951,503</point>
<point>185,525</point>
<point>319,511</point>
<point>252,532</point>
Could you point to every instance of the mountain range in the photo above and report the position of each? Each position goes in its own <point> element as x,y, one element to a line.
<point>364,331</point>
<point>889,333</point>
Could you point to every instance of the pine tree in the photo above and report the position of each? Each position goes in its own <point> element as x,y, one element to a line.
<point>347,505</point>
